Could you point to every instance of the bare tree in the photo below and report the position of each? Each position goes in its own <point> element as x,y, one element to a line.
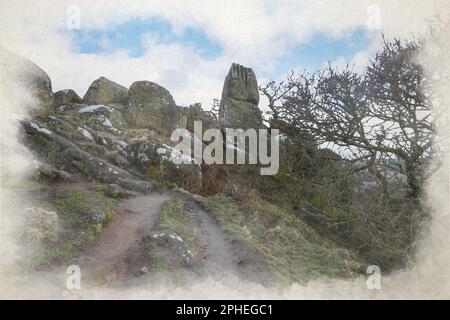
<point>380,120</point>
<point>275,92</point>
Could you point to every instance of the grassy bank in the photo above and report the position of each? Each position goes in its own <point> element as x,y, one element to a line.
<point>81,214</point>
<point>294,251</point>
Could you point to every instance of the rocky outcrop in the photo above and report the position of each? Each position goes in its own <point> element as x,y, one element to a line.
<point>154,159</point>
<point>46,171</point>
<point>16,70</point>
<point>105,91</point>
<point>152,106</point>
<point>194,113</point>
<point>65,155</point>
<point>66,96</point>
<point>96,130</point>
<point>240,98</point>
<point>101,117</point>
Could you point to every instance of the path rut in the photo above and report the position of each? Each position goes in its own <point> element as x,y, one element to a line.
<point>118,255</point>
<point>117,252</point>
<point>215,254</point>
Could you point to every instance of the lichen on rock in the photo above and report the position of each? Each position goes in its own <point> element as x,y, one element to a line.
<point>240,98</point>
<point>66,96</point>
<point>152,106</point>
<point>105,91</point>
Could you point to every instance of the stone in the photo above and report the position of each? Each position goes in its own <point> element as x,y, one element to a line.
<point>240,84</point>
<point>111,142</point>
<point>153,107</point>
<point>118,106</point>
<point>69,107</point>
<point>49,172</point>
<point>105,91</point>
<point>240,98</point>
<point>239,114</point>
<point>116,191</point>
<point>19,71</point>
<point>194,113</point>
<point>64,97</point>
<point>170,248</point>
<point>102,116</point>
<point>62,153</point>
<point>154,159</point>
<point>117,159</point>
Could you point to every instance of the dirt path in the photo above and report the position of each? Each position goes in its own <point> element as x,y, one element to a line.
<point>215,254</point>
<point>119,256</point>
<point>117,252</point>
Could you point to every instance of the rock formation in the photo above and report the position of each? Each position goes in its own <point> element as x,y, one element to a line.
<point>194,113</point>
<point>240,98</point>
<point>61,152</point>
<point>152,106</point>
<point>98,135</point>
<point>105,91</point>
<point>66,96</point>
<point>153,159</point>
<point>15,69</point>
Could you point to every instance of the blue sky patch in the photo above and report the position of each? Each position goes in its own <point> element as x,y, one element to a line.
<point>128,36</point>
<point>310,55</point>
<point>321,49</point>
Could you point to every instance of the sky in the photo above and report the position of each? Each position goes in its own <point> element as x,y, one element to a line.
<point>188,46</point>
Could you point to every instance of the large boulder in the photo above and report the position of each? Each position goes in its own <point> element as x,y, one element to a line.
<point>19,71</point>
<point>105,91</point>
<point>240,98</point>
<point>152,106</point>
<point>67,96</point>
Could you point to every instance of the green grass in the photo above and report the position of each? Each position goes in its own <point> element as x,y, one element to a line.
<point>174,218</point>
<point>160,266</point>
<point>164,260</point>
<point>101,188</point>
<point>75,209</point>
<point>294,252</point>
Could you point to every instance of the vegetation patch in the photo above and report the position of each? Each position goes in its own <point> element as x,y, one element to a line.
<point>171,248</point>
<point>174,218</point>
<point>81,215</point>
<point>294,252</point>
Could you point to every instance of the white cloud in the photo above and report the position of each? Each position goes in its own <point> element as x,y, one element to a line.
<point>360,59</point>
<point>251,32</point>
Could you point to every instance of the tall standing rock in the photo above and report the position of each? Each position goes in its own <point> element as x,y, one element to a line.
<point>240,98</point>
<point>105,91</point>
